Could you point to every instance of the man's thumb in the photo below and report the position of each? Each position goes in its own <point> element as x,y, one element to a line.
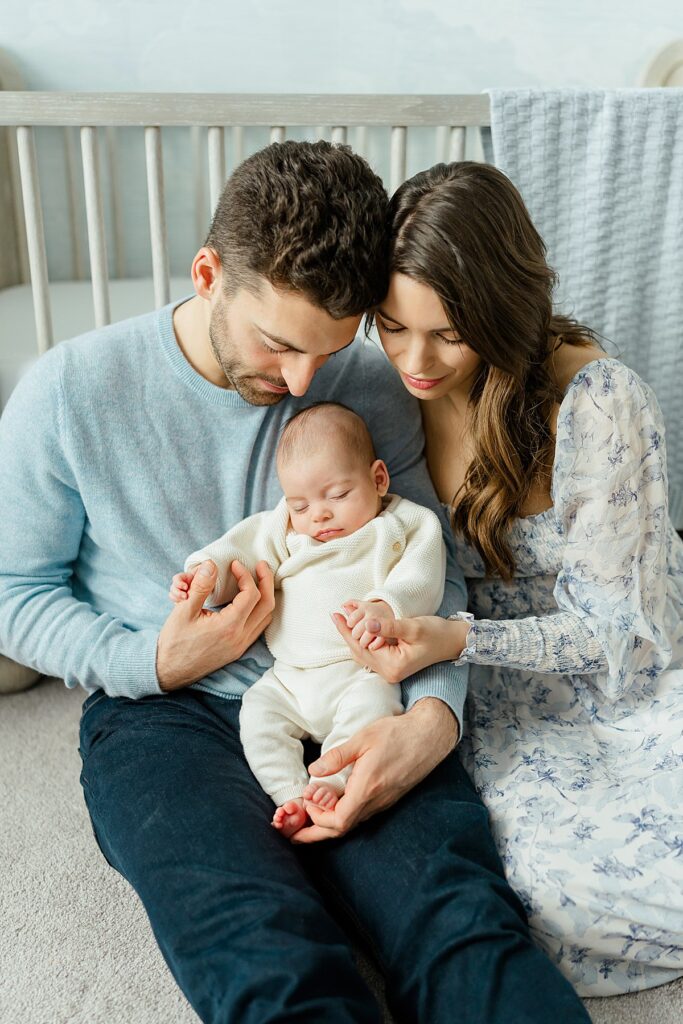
<point>334,760</point>
<point>202,584</point>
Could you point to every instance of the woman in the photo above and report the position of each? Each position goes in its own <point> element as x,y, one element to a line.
<point>550,457</point>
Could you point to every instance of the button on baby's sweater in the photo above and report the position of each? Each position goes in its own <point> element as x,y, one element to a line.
<point>396,545</point>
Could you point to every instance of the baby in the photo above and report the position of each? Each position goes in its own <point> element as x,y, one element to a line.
<point>335,533</point>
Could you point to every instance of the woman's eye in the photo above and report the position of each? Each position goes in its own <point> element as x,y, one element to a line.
<point>450,341</point>
<point>389,330</point>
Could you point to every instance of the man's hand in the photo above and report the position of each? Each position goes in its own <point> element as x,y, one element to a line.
<point>359,613</point>
<point>389,757</point>
<point>194,642</point>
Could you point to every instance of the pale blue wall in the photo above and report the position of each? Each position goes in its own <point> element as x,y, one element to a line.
<point>306,46</point>
<point>334,46</point>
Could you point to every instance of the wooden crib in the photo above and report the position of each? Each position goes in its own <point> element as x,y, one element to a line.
<point>219,131</point>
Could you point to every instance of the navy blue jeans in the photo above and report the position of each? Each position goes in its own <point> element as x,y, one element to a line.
<point>249,924</point>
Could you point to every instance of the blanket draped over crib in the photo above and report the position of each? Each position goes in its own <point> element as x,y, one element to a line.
<point>601,172</point>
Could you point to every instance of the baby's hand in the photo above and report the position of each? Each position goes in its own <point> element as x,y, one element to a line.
<point>180,584</point>
<point>357,615</point>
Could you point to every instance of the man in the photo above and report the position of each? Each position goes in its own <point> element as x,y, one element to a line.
<point>127,448</point>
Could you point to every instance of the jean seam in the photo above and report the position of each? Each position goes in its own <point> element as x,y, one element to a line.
<point>357,924</point>
<point>93,703</point>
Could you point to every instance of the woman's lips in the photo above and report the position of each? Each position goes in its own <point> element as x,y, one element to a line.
<point>423,384</point>
<point>273,387</point>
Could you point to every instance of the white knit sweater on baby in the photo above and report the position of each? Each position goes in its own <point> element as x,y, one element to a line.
<point>398,557</point>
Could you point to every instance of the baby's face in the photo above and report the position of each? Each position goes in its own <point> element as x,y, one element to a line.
<point>331,495</point>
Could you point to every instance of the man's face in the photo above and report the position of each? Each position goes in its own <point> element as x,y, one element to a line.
<point>270,342</point>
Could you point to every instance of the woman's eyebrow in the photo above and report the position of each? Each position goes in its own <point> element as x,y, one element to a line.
<point>435,330</point>
<point>386,316</point>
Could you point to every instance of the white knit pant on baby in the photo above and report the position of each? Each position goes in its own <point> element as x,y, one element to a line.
<point>289,704</point>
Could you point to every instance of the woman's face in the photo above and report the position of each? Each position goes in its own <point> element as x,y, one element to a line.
<point>419,341</point>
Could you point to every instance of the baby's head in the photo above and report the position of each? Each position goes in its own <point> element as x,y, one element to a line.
<point>328,471</point>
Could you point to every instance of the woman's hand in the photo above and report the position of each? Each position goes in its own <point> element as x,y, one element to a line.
<point>419,642</point>
<point>358,613</point>
<point>389,757</point>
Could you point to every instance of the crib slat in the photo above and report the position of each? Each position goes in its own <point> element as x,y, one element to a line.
<point>339,135</point>
<point>457,145</point>
<point>442,144</point>
<point>237,145</point>
<point>398,157</point>
<point>115,200</point>
<point>157,218</point>
<point>277,133</point>
<point>199,177</point>
<point>95,216</point>
<point>15,178</point>
<point>216,147</point>
<point>71,160</point>
<point>35,235</point>
<point>361,140</point>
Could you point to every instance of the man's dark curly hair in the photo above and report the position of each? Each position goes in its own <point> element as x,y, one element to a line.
<point>309,216</point>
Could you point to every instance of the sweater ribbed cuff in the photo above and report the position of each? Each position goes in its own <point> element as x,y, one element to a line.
<point>384,595</point>
<point>290,792</point>
<point>445,681</point>
<point>132,666</point>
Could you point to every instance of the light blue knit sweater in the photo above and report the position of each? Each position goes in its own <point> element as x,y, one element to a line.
<point>117,458</point>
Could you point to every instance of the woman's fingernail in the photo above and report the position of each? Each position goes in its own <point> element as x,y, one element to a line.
<point>205,569</point>
<point>373,626</point>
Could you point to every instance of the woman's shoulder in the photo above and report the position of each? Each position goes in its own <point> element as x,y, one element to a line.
<point>586,373</point>
<point>605,384</point>
<point>568,362</point>
<point>608,420</point>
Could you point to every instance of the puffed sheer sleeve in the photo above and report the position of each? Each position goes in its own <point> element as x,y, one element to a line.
<point>610,499</point>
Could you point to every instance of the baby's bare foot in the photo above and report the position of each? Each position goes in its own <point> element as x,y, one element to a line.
<point>322,794</point>
<point>289,818</point>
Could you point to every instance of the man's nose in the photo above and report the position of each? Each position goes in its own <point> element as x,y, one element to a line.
<point>299,375</point>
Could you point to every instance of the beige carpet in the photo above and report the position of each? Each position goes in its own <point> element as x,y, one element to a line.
<point>75,945</point>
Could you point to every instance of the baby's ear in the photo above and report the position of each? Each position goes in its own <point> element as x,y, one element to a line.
<point>380,475</point>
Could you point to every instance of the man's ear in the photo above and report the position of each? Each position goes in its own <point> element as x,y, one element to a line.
<point>206,272</point>
<point>380,474</point>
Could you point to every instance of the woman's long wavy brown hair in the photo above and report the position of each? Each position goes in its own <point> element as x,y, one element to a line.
<point>463,230</point>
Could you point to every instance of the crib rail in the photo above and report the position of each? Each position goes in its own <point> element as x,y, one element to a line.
<point>88,112</point>
<point>207,109</point>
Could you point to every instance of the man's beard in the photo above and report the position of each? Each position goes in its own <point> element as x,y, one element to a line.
<point>245,384</point>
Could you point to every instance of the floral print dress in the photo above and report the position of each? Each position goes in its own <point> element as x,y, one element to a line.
<point>574,721</point>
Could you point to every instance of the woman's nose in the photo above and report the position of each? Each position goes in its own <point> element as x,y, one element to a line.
<point>417,357</point>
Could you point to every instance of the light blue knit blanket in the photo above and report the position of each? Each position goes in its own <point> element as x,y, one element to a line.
<point>601,172</point>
